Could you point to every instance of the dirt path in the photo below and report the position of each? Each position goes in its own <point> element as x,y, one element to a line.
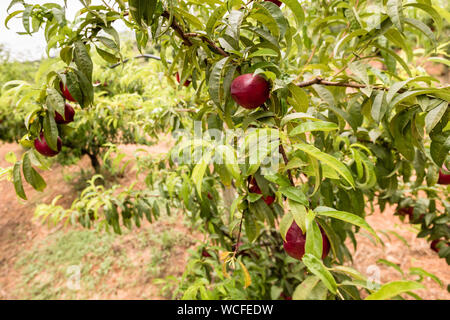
<point>137,256</point>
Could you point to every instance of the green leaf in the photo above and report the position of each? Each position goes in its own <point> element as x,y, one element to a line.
<point>431,11</point>
<point>217,14</point>
<point>393,289</point>
<point>199,171</point>
<point>31,175</point>
<point>435,115</point>
<point>55,102</point>
<point>316,266</point>
<point>297,9</point>
<point>390,264</point>
<point>285,224</point>
<point>419,25</point>
<point>83,59</point>
<point>314,243</point>
<point>422,273</point>
<point>394,10</point>
<point>379,106</point>
<point>395,56</point>
<point>11,157</point>
<point>329,160</point>
<point>214,81</point>
<point>347,217</point>
<point>17,180</point>
<point>313,126</point>
<point>310,289</point>
<point>51,131</point>
<point>297,116</point>
<point>298,212</point>
<point>300,100</point>
<point>294,194</point>
<point>108,57</point>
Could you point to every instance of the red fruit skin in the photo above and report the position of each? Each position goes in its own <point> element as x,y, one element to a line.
<point>278,3</point>
<point>295,242</point>
<point>406,211</point>
<point>443,178</point>
<point>205,254</point>
<point>65,92</point>
<point>285,296</point>
<point>69,114</point>
<point>255,189</point>
<point>42,147</point>
<point>250,91</point>
<point>434,245</point>
<point>186,83</point>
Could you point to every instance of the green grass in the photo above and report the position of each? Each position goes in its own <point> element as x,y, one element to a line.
<point>103,258</point>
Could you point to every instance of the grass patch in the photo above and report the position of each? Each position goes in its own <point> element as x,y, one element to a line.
<point>106,262</point>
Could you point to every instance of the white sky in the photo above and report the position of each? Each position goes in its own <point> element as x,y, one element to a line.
<point>25,47</point>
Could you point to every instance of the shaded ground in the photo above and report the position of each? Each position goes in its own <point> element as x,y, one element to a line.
<point>35,260</point>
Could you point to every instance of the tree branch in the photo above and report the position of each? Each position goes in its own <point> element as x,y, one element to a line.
<point>177,28</point>
<point>286,161</point>
<point>208,41</point>
<point>186,36</point>
<point>319,80</point>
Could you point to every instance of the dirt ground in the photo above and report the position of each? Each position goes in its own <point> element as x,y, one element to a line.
<point>19,233</point>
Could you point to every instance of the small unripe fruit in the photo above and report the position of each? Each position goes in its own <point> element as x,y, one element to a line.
<point>65,92</point>
<point>43,148</point>
<point>69,114</point>
<point>186,83</point>
<point>296,240</point>
<point>278,3</point>
<point>250,91</point>
<point>443,178</point>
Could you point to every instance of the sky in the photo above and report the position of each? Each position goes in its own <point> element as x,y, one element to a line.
<point>25,47</point>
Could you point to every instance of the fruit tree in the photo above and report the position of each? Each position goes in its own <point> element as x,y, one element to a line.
<point>304,117</point>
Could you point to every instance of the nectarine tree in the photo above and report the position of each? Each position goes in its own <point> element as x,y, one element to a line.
<point>327,107</point>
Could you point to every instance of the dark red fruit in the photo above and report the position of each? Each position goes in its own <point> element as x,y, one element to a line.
<point>205,254</point>
<point>254,188</point>
<point>444,178</point>
<point>406,211</point>
<point>250,91</point>
<point>65,92</point>
<point>285,296</point>
<point>69,113</point>
<point>278,3</point>
<point>434,245</point>
<point>186,83</point>
<point>42,147</point>
<point>296,239</point>
<point>210,197</point>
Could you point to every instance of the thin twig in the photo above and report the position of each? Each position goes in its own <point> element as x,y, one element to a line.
<point>208,41</point>
<point>177,28</point>
<point>239,236</point>
<point>286,161</point>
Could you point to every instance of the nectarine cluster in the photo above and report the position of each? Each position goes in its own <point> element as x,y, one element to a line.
<point>40,143</point>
